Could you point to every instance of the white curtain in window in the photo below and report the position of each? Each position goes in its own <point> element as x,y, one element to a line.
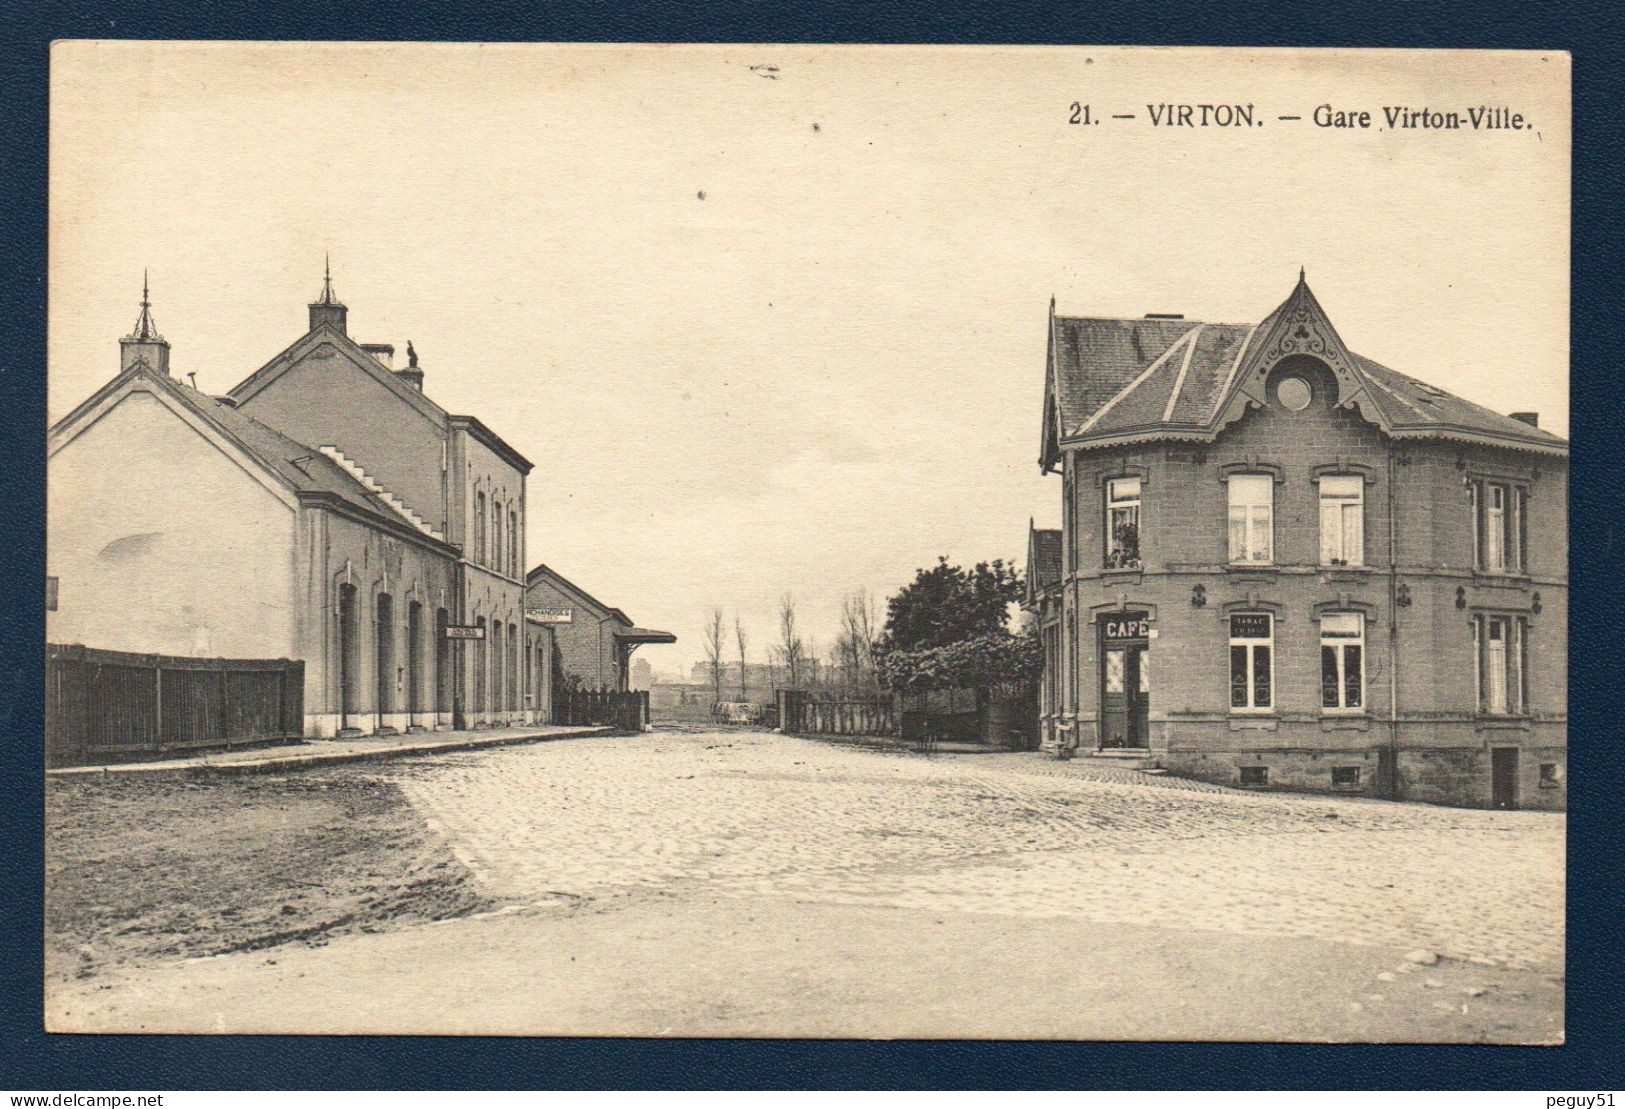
<point>1252,499</point>
<point>1342,512</point>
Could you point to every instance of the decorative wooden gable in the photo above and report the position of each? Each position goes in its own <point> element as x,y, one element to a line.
<point>1298,326</point>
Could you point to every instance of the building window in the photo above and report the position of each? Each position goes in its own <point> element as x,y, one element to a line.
<point>498,549</point>
<point>479,528</point>
<point>1255,775</point>
<point>1342,520</point>
<point>1499,532</point>
<point>513,544</point>
<point>1122,523</point>
<point>1345,777</point>
<point>1548,775</point>
<point>1252,661</point>
<point>1252,504</point>
<point>1500,656</point>
<point>1342,661</point>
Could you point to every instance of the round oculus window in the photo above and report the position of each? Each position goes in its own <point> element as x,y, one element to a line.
<point>1294,393</point>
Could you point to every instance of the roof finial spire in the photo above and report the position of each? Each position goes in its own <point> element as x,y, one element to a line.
<point>145,329</point>
<point>327,296</point>
<point>1300,274</point>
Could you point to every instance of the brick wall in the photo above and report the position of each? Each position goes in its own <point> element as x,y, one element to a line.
<point>1444,745</point>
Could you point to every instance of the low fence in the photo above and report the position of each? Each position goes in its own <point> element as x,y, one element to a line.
<point>1002,718</point>
<point>117,706</point>
<point>801,713</point>
<point>626,711</point>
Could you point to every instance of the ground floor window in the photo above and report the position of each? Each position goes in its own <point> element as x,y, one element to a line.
<point>1252,661</point>
<point>1342,661</point>
<point>1499,661</point>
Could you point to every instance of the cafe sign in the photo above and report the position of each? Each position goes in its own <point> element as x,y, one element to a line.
<point>1128,625</point>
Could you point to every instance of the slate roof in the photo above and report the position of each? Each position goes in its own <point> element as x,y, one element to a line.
<point>1043,560</point>
<point>1045,568</point>
<point>301,468</point>
<point>304,468</point>
<point>1113,380</point>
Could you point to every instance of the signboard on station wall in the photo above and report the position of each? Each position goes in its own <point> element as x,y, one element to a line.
<point>552,615</point>
<point>464,631</point>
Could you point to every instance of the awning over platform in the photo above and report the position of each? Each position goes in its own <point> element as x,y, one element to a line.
<point>644,635</point>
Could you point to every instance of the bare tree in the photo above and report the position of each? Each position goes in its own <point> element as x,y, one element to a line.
<point>739,637</point>
<point>855,646</point>
<point>791,649</point>
<point>713,651</point>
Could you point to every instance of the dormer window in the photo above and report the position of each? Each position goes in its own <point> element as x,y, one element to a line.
<point>1122,523</point>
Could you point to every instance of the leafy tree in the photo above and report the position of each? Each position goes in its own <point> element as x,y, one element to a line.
<point>949,628</point>
<point>947,604</point>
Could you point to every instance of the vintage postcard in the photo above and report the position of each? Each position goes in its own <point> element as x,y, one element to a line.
<point>807,541</point>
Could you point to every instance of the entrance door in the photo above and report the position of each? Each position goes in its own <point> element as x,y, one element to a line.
<point>384,639</point>
<point>1125,681</point>
<point>414,660</point>
<point>1504,777</point>
<point>347,648</point>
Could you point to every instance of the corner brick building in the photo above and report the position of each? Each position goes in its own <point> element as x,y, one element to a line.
<point>1282,565</point>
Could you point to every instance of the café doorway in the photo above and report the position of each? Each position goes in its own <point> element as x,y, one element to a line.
<point>1125,681</point>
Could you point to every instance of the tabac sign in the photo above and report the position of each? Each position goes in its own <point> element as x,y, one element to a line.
<point>552,615</point>
<point>1127,625</point>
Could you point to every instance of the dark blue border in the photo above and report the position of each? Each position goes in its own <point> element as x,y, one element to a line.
<point>1592,31</point>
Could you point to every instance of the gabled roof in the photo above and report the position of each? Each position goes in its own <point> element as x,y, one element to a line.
<point>291,355</point>
<point>302,470</point>
<point>541,572</point>
<point>1112,381</point>
<point>498,445</point>
<point>326,333</point>
<point>1044,559</point>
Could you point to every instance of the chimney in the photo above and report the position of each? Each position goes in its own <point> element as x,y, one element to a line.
<point>327,308</point>
<point>1530,418</point>
<point>143,343</point>
<point>383,352</point>
<point>411,374</point>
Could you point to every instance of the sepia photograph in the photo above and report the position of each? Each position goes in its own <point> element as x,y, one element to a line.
<point>773,541</point>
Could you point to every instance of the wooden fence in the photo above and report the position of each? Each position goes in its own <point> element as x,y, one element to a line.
<point>115,706</point>
<point>625,711</point>
<point>803,714</point>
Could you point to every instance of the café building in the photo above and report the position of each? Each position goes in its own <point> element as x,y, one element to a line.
<point>1282,565</point>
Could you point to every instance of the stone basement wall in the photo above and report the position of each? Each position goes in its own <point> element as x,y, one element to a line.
<point>1440,776</point>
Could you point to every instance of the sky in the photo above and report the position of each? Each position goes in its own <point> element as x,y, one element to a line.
<point>782,330</point>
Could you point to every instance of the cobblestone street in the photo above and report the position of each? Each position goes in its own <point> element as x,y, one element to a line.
<point>751,815</point>
<point>743,883</point>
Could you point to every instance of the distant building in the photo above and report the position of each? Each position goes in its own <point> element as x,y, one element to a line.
<point>325,509</point>
<point>593,642</point>
<point>1283,565</point>
<point>760,680</point>
<point>643,675</point>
